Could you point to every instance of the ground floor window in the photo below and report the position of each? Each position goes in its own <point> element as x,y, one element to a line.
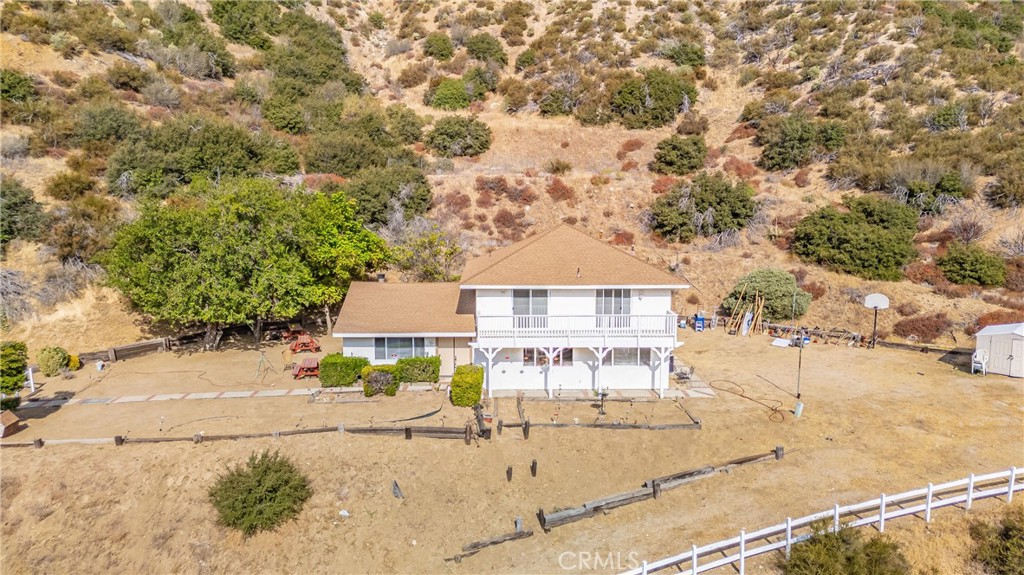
<point>534,357</point>
<point>399,347</point>
<point>628,356</point>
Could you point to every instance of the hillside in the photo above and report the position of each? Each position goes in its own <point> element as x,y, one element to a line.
<point>808,105</point>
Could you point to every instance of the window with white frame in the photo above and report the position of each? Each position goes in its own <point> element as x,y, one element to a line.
<point>533,357</point>
<point>399,347</point>
<point>530,302</point>
<point>628,356</point>
<point>613,301</point>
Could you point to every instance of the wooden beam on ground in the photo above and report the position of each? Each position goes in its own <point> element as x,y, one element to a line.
<point>476,546</point>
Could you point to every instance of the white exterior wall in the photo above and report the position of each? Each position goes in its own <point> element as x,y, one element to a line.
<point>511,374</point>
<point>574,301</point>
<point>364,347</point>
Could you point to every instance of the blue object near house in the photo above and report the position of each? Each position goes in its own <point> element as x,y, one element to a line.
<point>698,322</point>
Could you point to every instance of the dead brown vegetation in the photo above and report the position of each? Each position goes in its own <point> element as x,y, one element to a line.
<point>926,328</point>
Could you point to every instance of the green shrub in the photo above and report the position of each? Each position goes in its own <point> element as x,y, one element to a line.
<point>404,124</point>
<point>284,115</point>
<point>467,385</point>
<point>459,136</point>
<point>163,158</point>
<point>337,370</point>
<point>479,82</point>
<point>419,369</point>
<point>783,300</point>
<point>106,122</point>
<point>74,362</point>
<point>486,48</point>
<point>69,185</point>
<point>1008,189</point>
<point>268,490</point>
<point>391,390</point>
<point>651,101</point>
<point>1000,548</point>
<point>10,403</point>
<point>378,378</point>
<point>873,240</point>
<point>125,76</point>
<point>450,94</point>
<point>23,216</point>
<point>685,54</point>
<point>16,87</point>
<point>374,190</point>
<point>377,20</point>
<point>342,153</point>
<point>680,156</point>
<point>844,552</point>
<point>967,264</point>
<point>13,364</point>
<point>787,142</point>
<point>246,22</point>
<point>680,215</point>
<point>438,45</point>
<point>52,360</point>
<point>525,59</point>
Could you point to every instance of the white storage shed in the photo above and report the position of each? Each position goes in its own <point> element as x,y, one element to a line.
<point>1004,345</point>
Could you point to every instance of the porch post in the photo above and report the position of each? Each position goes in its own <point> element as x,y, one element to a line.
<point>549,352</point>
<point>489,353</point>
<point>663,354</point>
<point>600,352</point>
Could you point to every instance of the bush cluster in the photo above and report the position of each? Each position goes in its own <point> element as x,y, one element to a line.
<point>69,185</point>
<point>438,45</point>
<point>23,216</point>
<point>267,491</point>
<point>16,87</point>
<point>872,240</point>
<point>709,205</point>
<point>486,48</point>
<point>459,136</point>
<point>467,385</point>
<point>52,360</point>
<point>845,551</point>
<point>651,101</point>
<point>783,300</point>
<point>927,328</point>
<point>337,370</point>
<point>162,158</point>
<point>789,141</point>
<point>379,379</point>
<point>1000,548</point>
<point>679,155</point>
<point>13,364</point>
<point>419,369</point>
<point>968,264</point>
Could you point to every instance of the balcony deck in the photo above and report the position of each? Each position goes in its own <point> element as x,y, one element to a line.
<point>577,330</point>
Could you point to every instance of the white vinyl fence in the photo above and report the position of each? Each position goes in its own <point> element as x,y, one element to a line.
<point>782,537</point>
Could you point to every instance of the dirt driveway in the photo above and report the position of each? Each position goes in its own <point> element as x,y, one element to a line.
<point>874,420</point>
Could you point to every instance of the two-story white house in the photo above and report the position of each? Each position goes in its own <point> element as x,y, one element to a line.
<point>557,311</point>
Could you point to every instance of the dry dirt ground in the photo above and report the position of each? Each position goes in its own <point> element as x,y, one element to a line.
<point>875,420</point>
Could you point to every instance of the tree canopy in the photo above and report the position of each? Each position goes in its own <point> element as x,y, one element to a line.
<point>242,251</point>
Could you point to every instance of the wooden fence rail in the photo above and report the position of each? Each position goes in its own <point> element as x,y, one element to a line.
<point>784,535</point>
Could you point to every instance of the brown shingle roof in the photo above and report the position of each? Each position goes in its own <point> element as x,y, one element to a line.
<point>565,256</point>
<point>405,308</point>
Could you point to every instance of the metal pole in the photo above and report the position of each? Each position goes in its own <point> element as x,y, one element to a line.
<point>874,330</point>
<point>799,364</point>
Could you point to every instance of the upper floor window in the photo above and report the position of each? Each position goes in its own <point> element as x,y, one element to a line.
<point>613,301</point>
<point>399,347</point>
<point>530,302</point>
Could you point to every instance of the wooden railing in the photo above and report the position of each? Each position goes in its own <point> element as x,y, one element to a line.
<point>782,536</point>
<point>576,326</point>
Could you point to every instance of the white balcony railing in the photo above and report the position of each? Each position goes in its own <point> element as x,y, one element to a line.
<point>576,326</point>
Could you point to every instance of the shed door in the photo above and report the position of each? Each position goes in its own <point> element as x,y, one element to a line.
<point>1017,358</point>
<point>999,355</point>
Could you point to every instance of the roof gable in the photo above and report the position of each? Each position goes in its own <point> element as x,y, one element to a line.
<point>565,256</point>
<point>1005,328</point>
<point>375,308</point>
